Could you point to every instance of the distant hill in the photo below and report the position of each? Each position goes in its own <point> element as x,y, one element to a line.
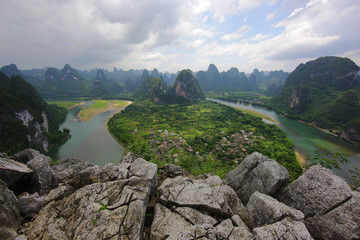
<point>26,120</point>
<point>102,87</point>
<point>233,80</point>
<point>185,89</point>
<point>12,70</point>
<point>65,84</point>
<point>325,92</point>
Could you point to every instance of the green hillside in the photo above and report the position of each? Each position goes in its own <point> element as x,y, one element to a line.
<point>324,92</point>
<point>26,120</point>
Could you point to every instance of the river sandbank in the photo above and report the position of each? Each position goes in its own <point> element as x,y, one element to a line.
<point>257,114</point>
<point>101,106</point>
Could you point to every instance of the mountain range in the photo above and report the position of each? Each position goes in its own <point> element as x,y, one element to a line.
<point>69,83</point>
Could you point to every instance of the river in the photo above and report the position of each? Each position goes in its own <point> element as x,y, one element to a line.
<point>306,138</point>
<point>90,141</point>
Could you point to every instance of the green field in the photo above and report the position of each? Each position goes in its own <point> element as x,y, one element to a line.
<point>202,138</point>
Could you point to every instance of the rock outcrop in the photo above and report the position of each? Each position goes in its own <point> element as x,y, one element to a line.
<point>257,173</point>
<point>285,229</point>
<point>10,218</point>
<point>31,174</point>
<point>111,209</point>
<point>332,210</point>
<point>264,210</point>
<point>12,171</point>
<point>190,208</point>
<point>113,202</point>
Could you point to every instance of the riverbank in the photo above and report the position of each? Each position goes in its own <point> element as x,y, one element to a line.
<point>321,129</point>
<point>127,104</point>
<point>107,122</point>
<point>101,106</point>
<point>257,114</point>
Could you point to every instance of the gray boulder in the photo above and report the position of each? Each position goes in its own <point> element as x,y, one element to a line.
<point>332,210</point>
<point>171,170</point>
<point>264,210</point>
<point>30,205</point>
<point>286,229</point>
<point>171,225</point>
<point>26,155</point>
<point>220,200</point>
<point>343,222</point>
<point>257,173</point>
<point>167,224</point>
<point>75,172</point>
<point>10,218</point>
<point>58,193</point>
<point>191,208</point>
<point>43,178</point>
<point>12,171</point>
<point>102,210</point>
<point>316,191</point>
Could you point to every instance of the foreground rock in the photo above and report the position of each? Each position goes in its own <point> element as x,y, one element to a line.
<point>191,208</point>
<point>31,172</point>
<point>12,171</point>
<point>264,210</point>
<point>257,173</point>
<point>112,209</point>
<point>285,229</point>
<point>10,218</point>
<point>331,209</point>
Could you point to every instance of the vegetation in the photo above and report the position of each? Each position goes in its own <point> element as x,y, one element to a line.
<point>68,104</point>
<point>331,160</point>
<point>16,96</point>
<point>100,106</point>
<point>202,138</point>
<point>252,97</point>
<point>324,91</point>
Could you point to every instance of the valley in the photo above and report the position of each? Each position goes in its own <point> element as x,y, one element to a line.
<point>174,137</point>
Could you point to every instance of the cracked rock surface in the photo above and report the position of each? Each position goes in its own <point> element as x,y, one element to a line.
<point>332,210</point>
<point>198,208</point>
<point>286,229</point>
<point>264,210</point>
<point>10,218</point>
<point>257,173</point>
<point>102,210</point>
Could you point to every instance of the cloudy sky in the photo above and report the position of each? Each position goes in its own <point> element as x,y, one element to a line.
<point>174,34</point>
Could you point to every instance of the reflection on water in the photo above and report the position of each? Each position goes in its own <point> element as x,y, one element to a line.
<point>306,137</point>
<point>90,141</point>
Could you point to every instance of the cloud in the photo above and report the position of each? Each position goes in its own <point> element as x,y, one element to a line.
<point>248,4</point>
<point>237,34</point>
<point>270,16</point>
<point>176,34</point>
<point>74,31</point>
<point>321,29</point>
<point>296,11</point>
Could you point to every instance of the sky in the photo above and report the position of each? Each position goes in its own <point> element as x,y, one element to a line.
<point>171,35</point>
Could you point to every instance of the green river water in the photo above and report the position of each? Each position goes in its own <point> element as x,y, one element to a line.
<point>306,138</point>
<point>90,141</point>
